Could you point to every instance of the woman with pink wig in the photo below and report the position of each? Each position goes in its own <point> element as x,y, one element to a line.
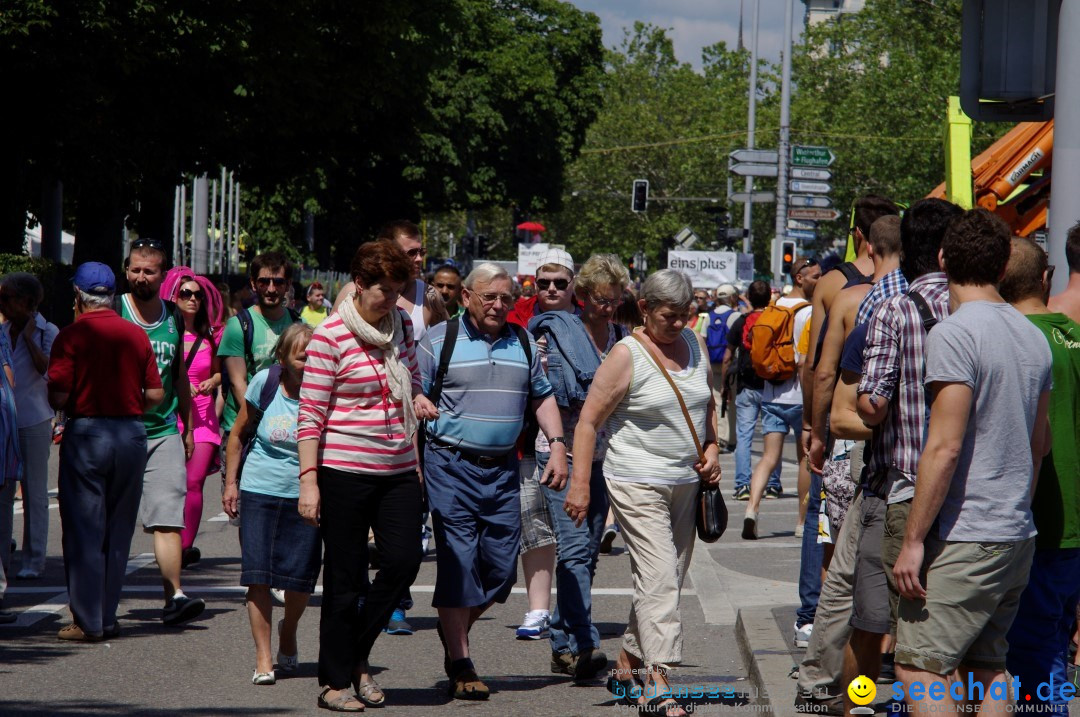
<point>202,307</point>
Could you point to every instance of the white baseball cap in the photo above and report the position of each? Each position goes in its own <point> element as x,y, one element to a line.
<point>725,291</point>
<point>559,257</point>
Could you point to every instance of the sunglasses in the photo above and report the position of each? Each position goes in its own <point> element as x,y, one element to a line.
<point>1049,275</point>
<point>437,285</point>
<point>186,294</point>
<point>146,242</point>
<point>418,251</point>
<point>278,281</point>
<point>560,284</point>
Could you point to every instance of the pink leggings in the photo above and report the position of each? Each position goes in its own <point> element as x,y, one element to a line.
<point>198,466</point>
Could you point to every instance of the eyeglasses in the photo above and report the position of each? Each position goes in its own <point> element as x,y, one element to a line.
<point>1049,275</point>
<point>560,284</point>
<point>278,281</point>
<point>147,242</point>
<point>418,251</point>
<point>186,294</point>
<point>489,299</point>
<point>603,302</point>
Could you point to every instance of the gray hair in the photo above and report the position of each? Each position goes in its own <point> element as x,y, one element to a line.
<point>485,273</point>
<point>25,286</point>
<point>667,287</point>
<point>94,301</point>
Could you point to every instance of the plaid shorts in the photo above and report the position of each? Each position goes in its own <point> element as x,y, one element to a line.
<point>537,530</point>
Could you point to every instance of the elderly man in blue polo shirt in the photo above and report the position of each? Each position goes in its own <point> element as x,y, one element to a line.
<point>470,465</point>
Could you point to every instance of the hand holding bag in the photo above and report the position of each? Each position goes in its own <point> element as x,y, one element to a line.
<point>712,514</point>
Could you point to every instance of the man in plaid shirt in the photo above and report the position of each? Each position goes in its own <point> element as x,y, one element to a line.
<point>891,399</point>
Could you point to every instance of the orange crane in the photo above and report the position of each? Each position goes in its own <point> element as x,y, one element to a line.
<point>1002,177</point>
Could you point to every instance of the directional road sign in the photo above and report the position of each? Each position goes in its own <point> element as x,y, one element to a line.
<point>801,224</point>
<point>802,234</point>
<point>755,197</point>
<point>747,169</point>
<point>809,200</point>
<point>821,175</point>
<point>814,214</point>
<point>802,185</point>
<point>803,156</point>
<point>757,156</point>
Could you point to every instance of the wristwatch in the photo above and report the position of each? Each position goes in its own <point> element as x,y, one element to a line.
<point>558,439</point>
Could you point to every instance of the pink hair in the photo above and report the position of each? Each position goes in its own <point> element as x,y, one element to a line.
<point>179,275</point>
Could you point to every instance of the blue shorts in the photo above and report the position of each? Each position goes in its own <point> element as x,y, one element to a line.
<point>277,548</point>
<point>778,417</point>
<point>476,516</point>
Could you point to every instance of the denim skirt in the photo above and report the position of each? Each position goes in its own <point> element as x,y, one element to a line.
<point>277,547</point>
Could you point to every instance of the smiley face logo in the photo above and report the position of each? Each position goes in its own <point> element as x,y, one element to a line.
<point>862,690</point>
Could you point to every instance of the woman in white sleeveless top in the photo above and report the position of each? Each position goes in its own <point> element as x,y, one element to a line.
<point>652,472</point>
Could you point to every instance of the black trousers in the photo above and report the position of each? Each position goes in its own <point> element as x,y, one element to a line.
<point>351,504</point>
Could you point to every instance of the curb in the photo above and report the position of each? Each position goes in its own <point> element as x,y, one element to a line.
<point>768,660</point>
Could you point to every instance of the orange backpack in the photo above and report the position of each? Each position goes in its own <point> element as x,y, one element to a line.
<point>772,342</point>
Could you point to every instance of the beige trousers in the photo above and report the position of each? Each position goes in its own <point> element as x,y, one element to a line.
<point>659,529</point>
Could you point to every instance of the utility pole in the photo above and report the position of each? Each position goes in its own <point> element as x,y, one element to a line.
<point>751,123</point>
<point>785,145</point>
<point>200,198</point>
<point>1066,142</point>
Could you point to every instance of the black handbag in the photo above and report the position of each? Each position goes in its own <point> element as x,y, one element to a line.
<point>711,514</point>
<point>711,511</point>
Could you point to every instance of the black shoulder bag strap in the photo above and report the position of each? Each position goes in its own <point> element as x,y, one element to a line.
<point>449,339</point>
<point>193,351</point>
<point>927,316</point>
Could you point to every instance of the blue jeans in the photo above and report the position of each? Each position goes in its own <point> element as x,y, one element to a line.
<point>747,408</point>
<point>1039,636</point>
<point>813,553</point>
<point>572,629</point>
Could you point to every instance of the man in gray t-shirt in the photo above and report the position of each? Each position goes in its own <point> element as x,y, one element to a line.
<point>970,528</point>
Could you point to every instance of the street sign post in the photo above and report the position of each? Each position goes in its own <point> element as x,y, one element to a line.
<point>814,214</point>
<point>802,185</point>
<point>810,200</point>
<point>801,224</point>
<point>755,197</point>
<point>747,169</point>
<point>804,156</point>
<point>820,175</point>
<point>756,156</point>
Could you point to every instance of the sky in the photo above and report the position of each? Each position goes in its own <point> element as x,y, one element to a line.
<point>694,24</point>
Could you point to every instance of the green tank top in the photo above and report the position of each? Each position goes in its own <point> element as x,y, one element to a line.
<point>167,341</point>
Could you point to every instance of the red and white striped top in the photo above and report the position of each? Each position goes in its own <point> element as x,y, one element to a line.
<point>345,402</point>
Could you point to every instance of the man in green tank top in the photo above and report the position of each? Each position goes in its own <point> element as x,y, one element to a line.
<point>165,479</point>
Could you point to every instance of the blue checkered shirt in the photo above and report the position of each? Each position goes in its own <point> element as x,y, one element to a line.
<point>891,284</point>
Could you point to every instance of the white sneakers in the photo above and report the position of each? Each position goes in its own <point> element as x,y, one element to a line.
<point>802,634</point>
<point>536,625</point>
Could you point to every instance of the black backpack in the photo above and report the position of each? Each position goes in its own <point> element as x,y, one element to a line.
<point>247,326</point>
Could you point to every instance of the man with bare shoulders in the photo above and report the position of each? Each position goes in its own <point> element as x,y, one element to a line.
<point>1068,301</point>
<point>424,306</point>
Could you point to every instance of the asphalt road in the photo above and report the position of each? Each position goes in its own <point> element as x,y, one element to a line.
<point>205,667</point>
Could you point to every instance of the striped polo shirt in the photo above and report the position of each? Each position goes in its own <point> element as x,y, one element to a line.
<point>482,406</point>
<point>345,402</point>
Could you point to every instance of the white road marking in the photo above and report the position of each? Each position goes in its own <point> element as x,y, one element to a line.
<point>58,603</point>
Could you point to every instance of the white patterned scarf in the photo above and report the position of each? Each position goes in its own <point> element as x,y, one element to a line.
<point>388,336</point>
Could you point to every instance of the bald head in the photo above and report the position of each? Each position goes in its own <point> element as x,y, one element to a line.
<point>1024,273</point>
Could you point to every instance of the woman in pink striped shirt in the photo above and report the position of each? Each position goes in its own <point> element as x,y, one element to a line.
<point>359,407</point>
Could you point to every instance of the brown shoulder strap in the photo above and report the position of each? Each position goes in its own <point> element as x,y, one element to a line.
<point>678,395</point>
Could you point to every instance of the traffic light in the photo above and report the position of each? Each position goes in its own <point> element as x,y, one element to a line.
<point>787,256</point>
<point>640,195</point>
<point>481,246</point>
<point>630,265</point>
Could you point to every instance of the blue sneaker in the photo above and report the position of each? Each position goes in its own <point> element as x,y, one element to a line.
<point>397,624</point>
<point>536,625</point>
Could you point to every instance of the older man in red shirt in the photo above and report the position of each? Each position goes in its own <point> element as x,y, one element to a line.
<point>104,375</point>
